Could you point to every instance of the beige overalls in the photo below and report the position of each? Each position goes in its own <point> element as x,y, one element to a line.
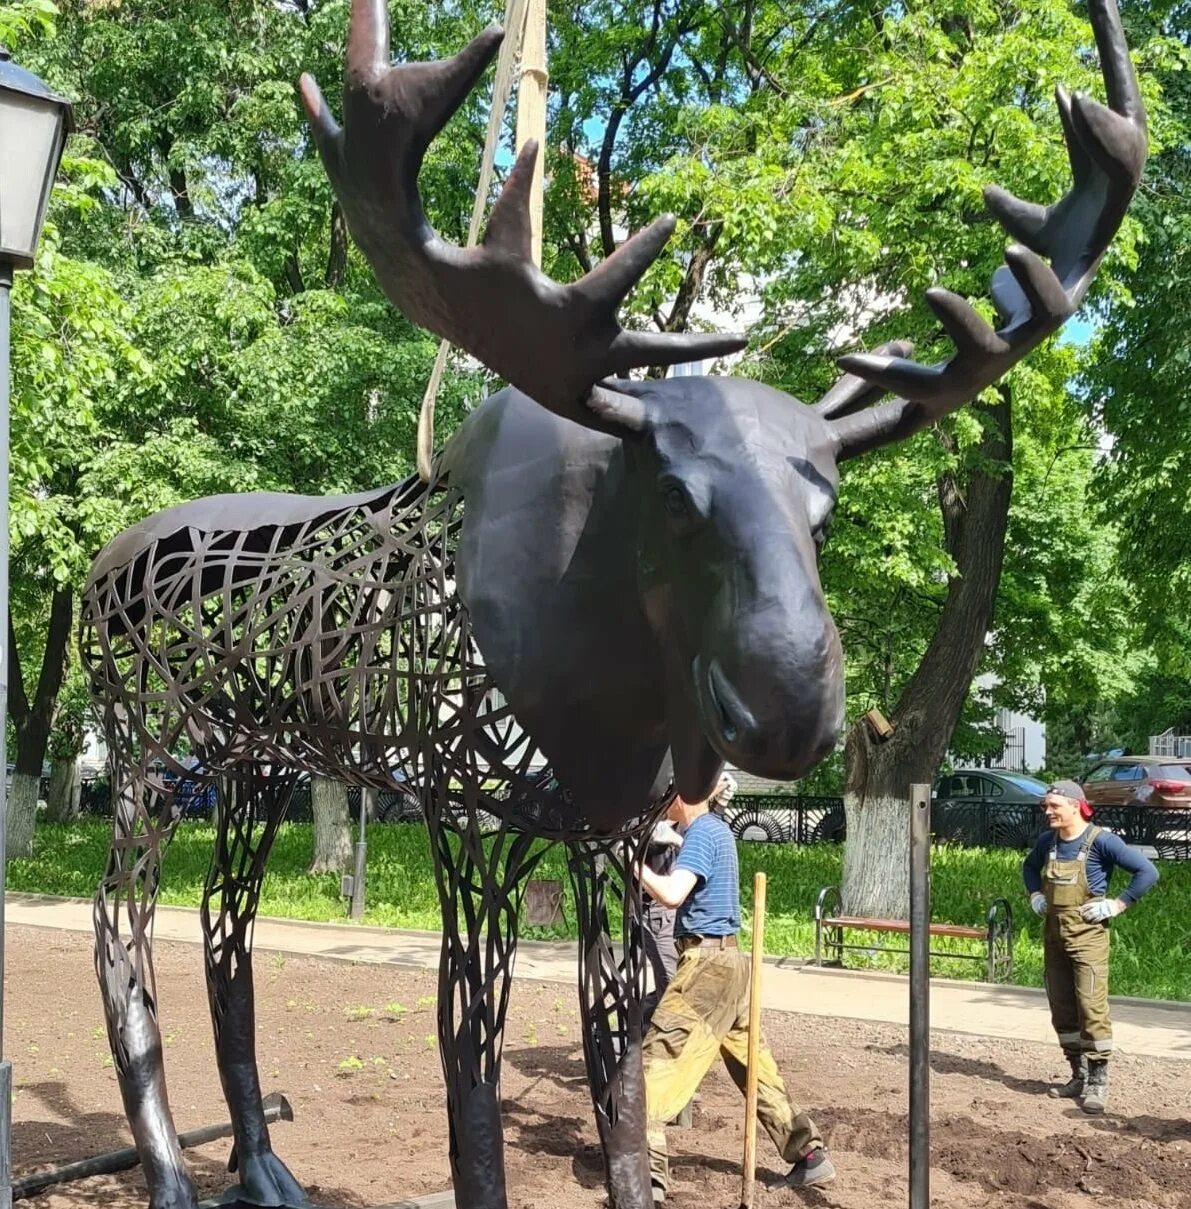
<point>1076,956</point>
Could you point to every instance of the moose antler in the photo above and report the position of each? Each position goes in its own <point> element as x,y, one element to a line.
<point>1107,149</point>
<point>552,341</point>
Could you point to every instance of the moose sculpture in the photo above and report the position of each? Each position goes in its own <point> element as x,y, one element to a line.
<point>608,588</point>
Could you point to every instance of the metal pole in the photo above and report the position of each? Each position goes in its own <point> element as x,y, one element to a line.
<point>5,1065</point>
<point>919,997</point>
<point>276,1108</point>
<point>367,803</point>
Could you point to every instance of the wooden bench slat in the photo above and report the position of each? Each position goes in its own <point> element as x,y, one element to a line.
<point>958,931</point>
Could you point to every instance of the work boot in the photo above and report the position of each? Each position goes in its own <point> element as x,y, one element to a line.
<point>1095,1098</point>
<point>815,1168</point>
<point>1073,1088</point>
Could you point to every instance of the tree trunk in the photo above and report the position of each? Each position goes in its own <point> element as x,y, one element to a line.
<point>32,720</point>
<point>332,827</point>
<point>876,875</point>
<point>64,797</point>
<point>22,814</point>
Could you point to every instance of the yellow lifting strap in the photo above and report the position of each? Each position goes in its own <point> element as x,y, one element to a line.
<point>525,37</point>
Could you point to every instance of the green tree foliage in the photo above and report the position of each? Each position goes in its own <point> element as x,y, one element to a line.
<point>196,322</point>
<point>842,166</point>
<point>1138,378</point>
<point>826,163</point>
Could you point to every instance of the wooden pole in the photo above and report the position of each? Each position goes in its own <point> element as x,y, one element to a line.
<point>748,1181</point>
<point>531,109</point>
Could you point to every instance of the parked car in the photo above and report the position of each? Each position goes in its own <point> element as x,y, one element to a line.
<point>988,784</point>
<point>986,807</point>
<point>43,784</point>
<point>1162,782</point>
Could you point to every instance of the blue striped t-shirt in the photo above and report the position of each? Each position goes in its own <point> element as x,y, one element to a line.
<point>713,907</point>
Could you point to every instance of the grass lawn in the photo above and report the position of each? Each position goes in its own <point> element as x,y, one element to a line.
<point>1151,945</point>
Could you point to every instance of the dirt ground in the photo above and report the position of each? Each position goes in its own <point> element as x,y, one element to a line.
<point>353,1048</point>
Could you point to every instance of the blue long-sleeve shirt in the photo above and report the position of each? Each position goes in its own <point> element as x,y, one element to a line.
<point>1108,852</point>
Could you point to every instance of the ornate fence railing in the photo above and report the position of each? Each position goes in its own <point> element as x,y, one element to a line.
<point>984,823</point>
<point>806,819</point>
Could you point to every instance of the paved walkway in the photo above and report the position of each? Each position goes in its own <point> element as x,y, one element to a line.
<point>1150,1027</point>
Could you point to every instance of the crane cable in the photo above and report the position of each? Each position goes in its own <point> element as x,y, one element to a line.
<point>515,11</point>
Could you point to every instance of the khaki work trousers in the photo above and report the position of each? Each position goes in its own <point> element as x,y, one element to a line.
<point>705,1012</point>
<point>1076,974</point>
<point>1075,959</point>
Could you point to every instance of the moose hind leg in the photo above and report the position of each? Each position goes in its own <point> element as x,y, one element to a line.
<point>610,1005</point>
<point>484,880</point>
<point>123,918</point>
<point>250,809</point>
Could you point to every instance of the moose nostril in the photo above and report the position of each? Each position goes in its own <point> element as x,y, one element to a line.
<point>733,714</point>
<point>727,726</point>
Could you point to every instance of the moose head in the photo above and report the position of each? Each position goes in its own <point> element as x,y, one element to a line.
<point>735,481</point>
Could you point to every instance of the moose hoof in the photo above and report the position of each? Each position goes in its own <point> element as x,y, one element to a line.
<point>265,1181</point>
<point>180,1197</point>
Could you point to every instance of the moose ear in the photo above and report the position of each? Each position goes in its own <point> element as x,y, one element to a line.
<point>619,407</point>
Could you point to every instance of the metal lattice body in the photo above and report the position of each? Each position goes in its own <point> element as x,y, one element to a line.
<point>326,639</point>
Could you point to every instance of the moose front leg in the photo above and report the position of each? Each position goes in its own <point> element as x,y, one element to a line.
<point>123,919</point>
<point>481,879</point>
<point>250,808</point>
<point>610,1003</point>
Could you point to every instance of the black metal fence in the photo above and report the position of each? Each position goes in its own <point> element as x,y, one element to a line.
<point>983,823</point>
<point>803,819</point>
<point>786,818</point>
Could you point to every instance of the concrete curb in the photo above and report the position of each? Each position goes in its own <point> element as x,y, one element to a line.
<point>790,962</point>
<point>1158,1029</point>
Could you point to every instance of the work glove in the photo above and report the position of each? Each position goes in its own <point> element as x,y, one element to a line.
<point>620,853</point>
<point>725,791</point>
<point>665,835</point>
<point>1038,902</point>
<point>1100,909</point>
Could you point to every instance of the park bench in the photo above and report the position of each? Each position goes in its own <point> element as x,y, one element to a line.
<point>996,935</point>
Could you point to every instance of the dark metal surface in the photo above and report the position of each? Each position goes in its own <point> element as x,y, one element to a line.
<point>276,1108</point>
<point>919,997</point>
<point>367,805</point>
<point>1000,941</point>
<point>611,991</point>
<point>7,1191</point>
<point>614,582</point>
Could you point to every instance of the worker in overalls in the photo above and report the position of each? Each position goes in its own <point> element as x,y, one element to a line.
<point>1066,875</point>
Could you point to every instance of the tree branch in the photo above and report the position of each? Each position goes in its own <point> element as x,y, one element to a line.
<point>18,702</point>
<point>53,663</point>
<point>629,95</point>
<point>337,255</point>
<point>692,281</point>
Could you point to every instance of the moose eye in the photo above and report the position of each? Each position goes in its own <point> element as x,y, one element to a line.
<point>675,501</point>
<point>822,533</point>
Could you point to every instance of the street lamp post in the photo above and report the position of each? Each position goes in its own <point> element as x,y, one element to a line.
<point>34,123</point>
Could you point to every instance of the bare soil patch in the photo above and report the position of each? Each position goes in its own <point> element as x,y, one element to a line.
<point>353,1047</point>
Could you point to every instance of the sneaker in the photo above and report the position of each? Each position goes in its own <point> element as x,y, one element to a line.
<point>815,1168</point>
<point>659,1193</point>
